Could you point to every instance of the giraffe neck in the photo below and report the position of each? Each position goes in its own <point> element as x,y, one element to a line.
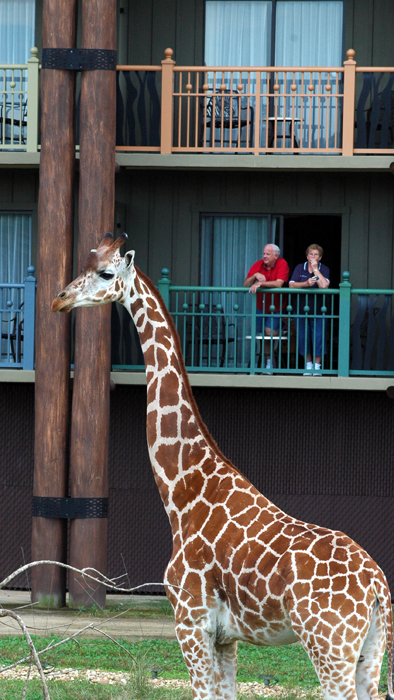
<point>182,452</point>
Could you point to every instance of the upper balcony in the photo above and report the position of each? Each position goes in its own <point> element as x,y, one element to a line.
<point>190,116</point>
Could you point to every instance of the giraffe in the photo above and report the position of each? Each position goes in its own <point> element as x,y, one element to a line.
<point>241,569</point>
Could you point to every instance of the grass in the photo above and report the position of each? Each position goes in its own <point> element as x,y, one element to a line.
<point>288,665</point>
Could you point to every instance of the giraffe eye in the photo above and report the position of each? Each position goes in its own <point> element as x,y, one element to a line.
<point>106,275</point>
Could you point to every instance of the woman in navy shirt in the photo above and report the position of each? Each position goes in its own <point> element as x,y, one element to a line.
<point>310,330</point>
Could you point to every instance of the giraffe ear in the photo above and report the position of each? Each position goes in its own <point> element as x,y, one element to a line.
<point>129,258</point>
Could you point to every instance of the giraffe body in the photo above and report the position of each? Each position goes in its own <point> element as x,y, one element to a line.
<point>241,569</point>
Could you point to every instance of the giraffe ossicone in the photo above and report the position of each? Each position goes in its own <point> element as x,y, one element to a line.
<point>246,571</point>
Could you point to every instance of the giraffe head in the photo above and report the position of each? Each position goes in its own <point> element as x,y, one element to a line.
<point>103,278</point>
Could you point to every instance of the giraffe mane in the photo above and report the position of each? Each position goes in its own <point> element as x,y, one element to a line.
<point>184,374</point>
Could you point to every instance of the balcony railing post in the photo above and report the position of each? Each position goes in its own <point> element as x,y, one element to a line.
<point>349,103</point>
<point>163,286</point>
<point>253,339</point>
<point>167,89</point>
<point>32,102</point>
<point>29,319</point>
<point>257,124</point>
<point>344,326</point>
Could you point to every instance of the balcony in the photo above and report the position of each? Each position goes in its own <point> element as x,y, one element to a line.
<point>337,111</point>
<point>245,111</point>
<point>217,330</point>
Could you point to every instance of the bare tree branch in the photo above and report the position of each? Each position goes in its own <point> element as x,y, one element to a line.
<point>89,575</point>
<point>33,652</point>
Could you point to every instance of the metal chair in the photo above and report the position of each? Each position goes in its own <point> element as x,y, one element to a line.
<point>12,332</point>
<point>13,117</point>
<point>227,110</point>
<point>208,336</point>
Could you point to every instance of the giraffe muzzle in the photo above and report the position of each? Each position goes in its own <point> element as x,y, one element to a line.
<point>62,302</point>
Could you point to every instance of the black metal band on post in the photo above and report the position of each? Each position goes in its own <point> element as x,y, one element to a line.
<point>79,59</point>
<point>50,507</point>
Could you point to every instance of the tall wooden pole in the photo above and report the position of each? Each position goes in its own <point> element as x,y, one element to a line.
<point>90,408</point>
<point>54,271</point>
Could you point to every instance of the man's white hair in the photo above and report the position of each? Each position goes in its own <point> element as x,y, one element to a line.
<point>275,247</point>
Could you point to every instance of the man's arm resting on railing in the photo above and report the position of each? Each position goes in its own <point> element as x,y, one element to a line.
<point>274,284</point>
<point>257,277</point>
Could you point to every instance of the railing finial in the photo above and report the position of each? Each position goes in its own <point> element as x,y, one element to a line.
<point>168,54</point>
<point>350,53</point>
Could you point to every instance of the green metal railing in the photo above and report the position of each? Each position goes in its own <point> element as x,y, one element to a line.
<point>218,334</point>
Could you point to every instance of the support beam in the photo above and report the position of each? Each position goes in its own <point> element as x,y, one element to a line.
<point>54,271</point>
<point>90,409</point>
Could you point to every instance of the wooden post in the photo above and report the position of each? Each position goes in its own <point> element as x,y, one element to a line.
<point>90,409</point>
<point>349,97</point>
<point>167,89</point>
<point>257,125</point>
<point>54,271</point>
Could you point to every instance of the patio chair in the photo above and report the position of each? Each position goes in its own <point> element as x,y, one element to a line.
<point>12,332</point>
<point>226,110</point>
<point>13,117</point>
<point>209,333</point>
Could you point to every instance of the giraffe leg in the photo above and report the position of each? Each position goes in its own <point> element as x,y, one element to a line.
<point>334,661</point>
<point>225,659</point>
<point>368,667</point>
<point>211,667</point>
<point>337,677</point>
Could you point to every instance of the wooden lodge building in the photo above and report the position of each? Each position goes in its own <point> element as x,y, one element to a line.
<point>237,124</point>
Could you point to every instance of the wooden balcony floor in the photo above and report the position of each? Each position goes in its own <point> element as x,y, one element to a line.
<point>218,161</point>
<point>246,381</point>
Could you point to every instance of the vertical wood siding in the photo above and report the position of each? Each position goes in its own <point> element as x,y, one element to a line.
<point>163,215</point>
<point>154,25</point>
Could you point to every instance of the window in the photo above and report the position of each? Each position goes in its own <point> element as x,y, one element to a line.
<point>279,32</point>
<point>231,244</point>
<point>15,258</point>
<point>234,32</point>
<point>15,246</point>
<point>283,33</point>
<point>17,29</point>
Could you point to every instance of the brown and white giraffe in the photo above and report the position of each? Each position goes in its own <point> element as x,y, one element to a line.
<point>241,569</point>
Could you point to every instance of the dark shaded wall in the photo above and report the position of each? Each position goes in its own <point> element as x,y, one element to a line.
<point>146,28</point>
<point>16,478</point>
<point>163,210</point>
<point>323,456</point>
<point>151,26</point>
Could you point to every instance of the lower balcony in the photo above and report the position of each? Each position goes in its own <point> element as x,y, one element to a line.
<point>226,342</point>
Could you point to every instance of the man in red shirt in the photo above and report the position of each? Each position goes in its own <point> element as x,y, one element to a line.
<point>270,272</point>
